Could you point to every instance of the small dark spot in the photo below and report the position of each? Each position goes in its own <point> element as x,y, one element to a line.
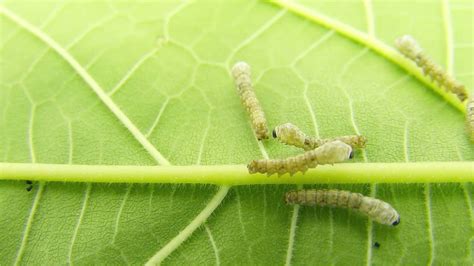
<point>274,134</point>
<point>285,198</point>
<point>396,222</point>
<point>351,155</point>
<point>376,245</point>
<point>29,185</point>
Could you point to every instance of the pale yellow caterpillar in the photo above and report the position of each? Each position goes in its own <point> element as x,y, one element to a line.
<point>241,74</point>
<point>329,153</point>
<point>408,46</point>
<point>376,209</point>
<point>470,117</point>
<point>291,135</point>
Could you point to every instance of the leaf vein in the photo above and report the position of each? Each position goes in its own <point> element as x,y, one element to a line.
<point>369,14</point>
<point>429,227</point>
<point>190,228</point>
<point>292,236</point>
<point>313,46</point>
<point>90,29</point>
<point>204,137</point>
<point>29,223</point>
<point>255,35</point>
<point>119,213</point>
<point>372,43</point>
<point>90,81</point>
<point>134,68</point>
<point>448,29</point>
<point>213,244</point>
<point>79,221</point>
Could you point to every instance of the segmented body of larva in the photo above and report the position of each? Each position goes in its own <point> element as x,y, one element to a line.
<point>291,135</point>
<point>470,117</point>
<point>243,82</point>
<point>329,153</point>
<point>376,209</point>
<point>408,46</point>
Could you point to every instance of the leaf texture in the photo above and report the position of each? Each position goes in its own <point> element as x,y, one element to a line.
<point>165,67</point>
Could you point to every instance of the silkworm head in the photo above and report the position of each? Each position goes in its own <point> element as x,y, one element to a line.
<point>407,44</point>
<point>334,152</point>
<point>290,197</point>
<point>239,68</point>
<point>252,167</point>
<point>396,222</point>
<point>362,141</point>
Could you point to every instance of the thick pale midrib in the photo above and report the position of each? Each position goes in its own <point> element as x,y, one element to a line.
<point>373,43</point>
<point>199,220</point>
<point>343,173</point>
<point>0,166</point>
<point>90,81</point>
<point>296,207</point>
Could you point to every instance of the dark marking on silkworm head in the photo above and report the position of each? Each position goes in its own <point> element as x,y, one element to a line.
<point>351,155</point>
<point>396,222</point>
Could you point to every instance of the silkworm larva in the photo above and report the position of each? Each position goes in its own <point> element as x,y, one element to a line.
<point>470,117</point>
<point>243,82</point>
<point>408,46</point>
<point>291,135</point>
<point>376,209</point>
<point>329,153</point>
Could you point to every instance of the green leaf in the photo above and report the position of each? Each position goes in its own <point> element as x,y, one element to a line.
<point>105,83</point>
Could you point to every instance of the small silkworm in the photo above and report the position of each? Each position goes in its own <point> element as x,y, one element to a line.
<point>408,46</point>
<point>243,82</point>
<point>376,209</point>
<point>290,134</point>
<point>329,153</point>
<point>470,117</point>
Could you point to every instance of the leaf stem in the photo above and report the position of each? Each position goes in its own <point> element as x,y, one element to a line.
<point>371,42</point>
<point>421,172</point>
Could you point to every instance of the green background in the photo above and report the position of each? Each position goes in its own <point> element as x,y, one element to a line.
<point>166,66</point>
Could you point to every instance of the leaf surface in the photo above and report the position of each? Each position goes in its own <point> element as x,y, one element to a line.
<point>165,67</point>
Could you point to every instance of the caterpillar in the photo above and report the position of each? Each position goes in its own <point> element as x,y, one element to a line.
<point>408,46</point>
<point>242,78</point>
<point>470,117</point>
<point>376,209</point>
<point>329,153</point>
<point>290,134</point>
